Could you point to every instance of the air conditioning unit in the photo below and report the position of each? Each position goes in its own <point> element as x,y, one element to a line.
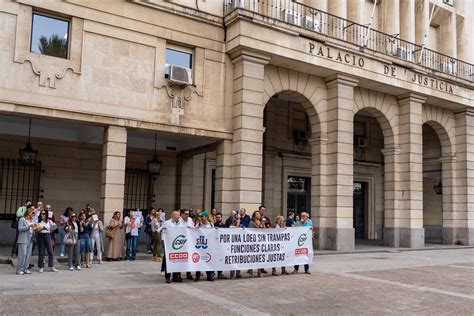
<point>449,2</point>
<point>310,22</point>
<point>181,75</point>
<point>405,53</point>
<point>447,68</point>
<point>292,17</point>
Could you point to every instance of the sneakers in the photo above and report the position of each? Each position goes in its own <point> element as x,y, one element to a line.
<point>20,273</point>
<point>53,269</point>
<point>61,254</point>
<point>40,270</point>
<point>149,252</point>
<point>294,272</point>
<point>71,269</point>
<point>27,272</point>
<point>78,268</point>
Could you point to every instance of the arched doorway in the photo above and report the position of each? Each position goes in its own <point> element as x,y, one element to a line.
<point>289,167</point>
<point>368,194</point>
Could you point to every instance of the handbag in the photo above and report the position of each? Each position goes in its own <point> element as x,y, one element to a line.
<point>70,239</point>
<point>109,233</point>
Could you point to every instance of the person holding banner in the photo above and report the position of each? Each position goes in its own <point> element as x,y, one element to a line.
<point>256,222</point>
<point>280,223</point>
<point>174,221</point>
<point>244,218</point>
<point>305,221</point>
<point>204,223</point>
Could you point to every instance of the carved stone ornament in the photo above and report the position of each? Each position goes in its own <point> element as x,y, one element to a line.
<point>180,95</point>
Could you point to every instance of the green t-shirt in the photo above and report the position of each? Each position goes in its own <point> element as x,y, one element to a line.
<point>20,212</point>
<point>290,222</point>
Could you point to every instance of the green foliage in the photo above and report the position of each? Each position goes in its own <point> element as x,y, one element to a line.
<point>54,46</point>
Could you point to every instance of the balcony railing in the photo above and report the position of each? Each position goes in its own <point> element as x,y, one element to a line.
<point>315,20</point>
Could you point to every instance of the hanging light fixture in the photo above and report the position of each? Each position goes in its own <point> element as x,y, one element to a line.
<point>28,154</point>
<point>154,165</point>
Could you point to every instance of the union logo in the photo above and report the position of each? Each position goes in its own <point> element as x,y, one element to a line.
<point>179,242</point>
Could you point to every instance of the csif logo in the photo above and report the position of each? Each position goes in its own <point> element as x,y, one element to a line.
<point>302,239</point>
<point>179,242</point>
<point>201,242</point>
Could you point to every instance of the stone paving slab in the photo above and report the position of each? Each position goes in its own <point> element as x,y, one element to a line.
<point>446,278</point>
<point>368,284</point>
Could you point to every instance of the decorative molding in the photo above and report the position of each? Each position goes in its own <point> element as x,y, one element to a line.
<point>179,95</point>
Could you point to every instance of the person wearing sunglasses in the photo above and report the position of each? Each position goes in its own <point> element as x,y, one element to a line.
<point>45,228</point>
<point>73,251</point>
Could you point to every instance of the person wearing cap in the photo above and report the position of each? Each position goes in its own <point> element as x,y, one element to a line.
<point>204,223</point>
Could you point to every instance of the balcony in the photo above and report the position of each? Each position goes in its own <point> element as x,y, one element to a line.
<point>366,38</point>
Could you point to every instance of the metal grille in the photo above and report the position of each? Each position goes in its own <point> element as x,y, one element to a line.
<point>138,189</point>
<point>18,183</point>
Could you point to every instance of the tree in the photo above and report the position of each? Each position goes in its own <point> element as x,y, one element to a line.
<point>54,46</point>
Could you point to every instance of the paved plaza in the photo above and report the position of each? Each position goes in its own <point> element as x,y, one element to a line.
<point>408,282</point>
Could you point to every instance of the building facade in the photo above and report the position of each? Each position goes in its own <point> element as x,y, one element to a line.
<point>357,111</point>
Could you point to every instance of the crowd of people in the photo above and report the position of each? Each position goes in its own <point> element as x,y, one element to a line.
<point>81,236</point>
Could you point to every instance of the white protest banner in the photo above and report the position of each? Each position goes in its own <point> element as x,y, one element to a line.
<point>201,249</point>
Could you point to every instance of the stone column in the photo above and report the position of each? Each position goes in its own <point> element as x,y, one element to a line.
<point>408,219</point>
<point>114,155</point>
<point>336,226</point>
<point>336,26</point>
<point>390,17</point>
<point>318,4</point>
<point>449,221</point>
<point>448,45</point>
<point>247,124</point>
<point>391,196</point>
<point>318,181</point>
<point>422,16</point>
<point>407,20</point>
<point>225,201</point>
<point>463,191</point>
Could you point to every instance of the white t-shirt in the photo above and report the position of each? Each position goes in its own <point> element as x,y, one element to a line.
<point>189,222</point>
<point>46,227</point>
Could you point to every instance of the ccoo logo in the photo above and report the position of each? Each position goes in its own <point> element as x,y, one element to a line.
<point>302,239</point>
<point>179,242</point>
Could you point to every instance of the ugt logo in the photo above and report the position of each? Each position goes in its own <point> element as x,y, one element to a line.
<point>302,239</point>
<point>179,242</point>
<point>201,242</point>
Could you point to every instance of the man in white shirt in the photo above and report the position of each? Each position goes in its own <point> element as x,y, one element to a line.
<point>204,223</point>
<point>174,221</point>
<point>185,219</point>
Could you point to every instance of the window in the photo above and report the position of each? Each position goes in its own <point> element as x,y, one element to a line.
<point>179,58</point>
<point>49,36</point>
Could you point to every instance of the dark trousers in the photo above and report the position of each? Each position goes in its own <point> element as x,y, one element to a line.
<point>163,268</point>
<point>15,245</point>
<point>74,254</point>
<point>209,274</point>
<point>306,268</point>
<point>44,243</point>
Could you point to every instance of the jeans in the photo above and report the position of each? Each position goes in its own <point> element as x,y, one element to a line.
<point>74,255</point>
<point>306,268</point>
<point>44,243</point>
<point>62,246</point>
<point>131,243</point>
<point>24,256</point>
